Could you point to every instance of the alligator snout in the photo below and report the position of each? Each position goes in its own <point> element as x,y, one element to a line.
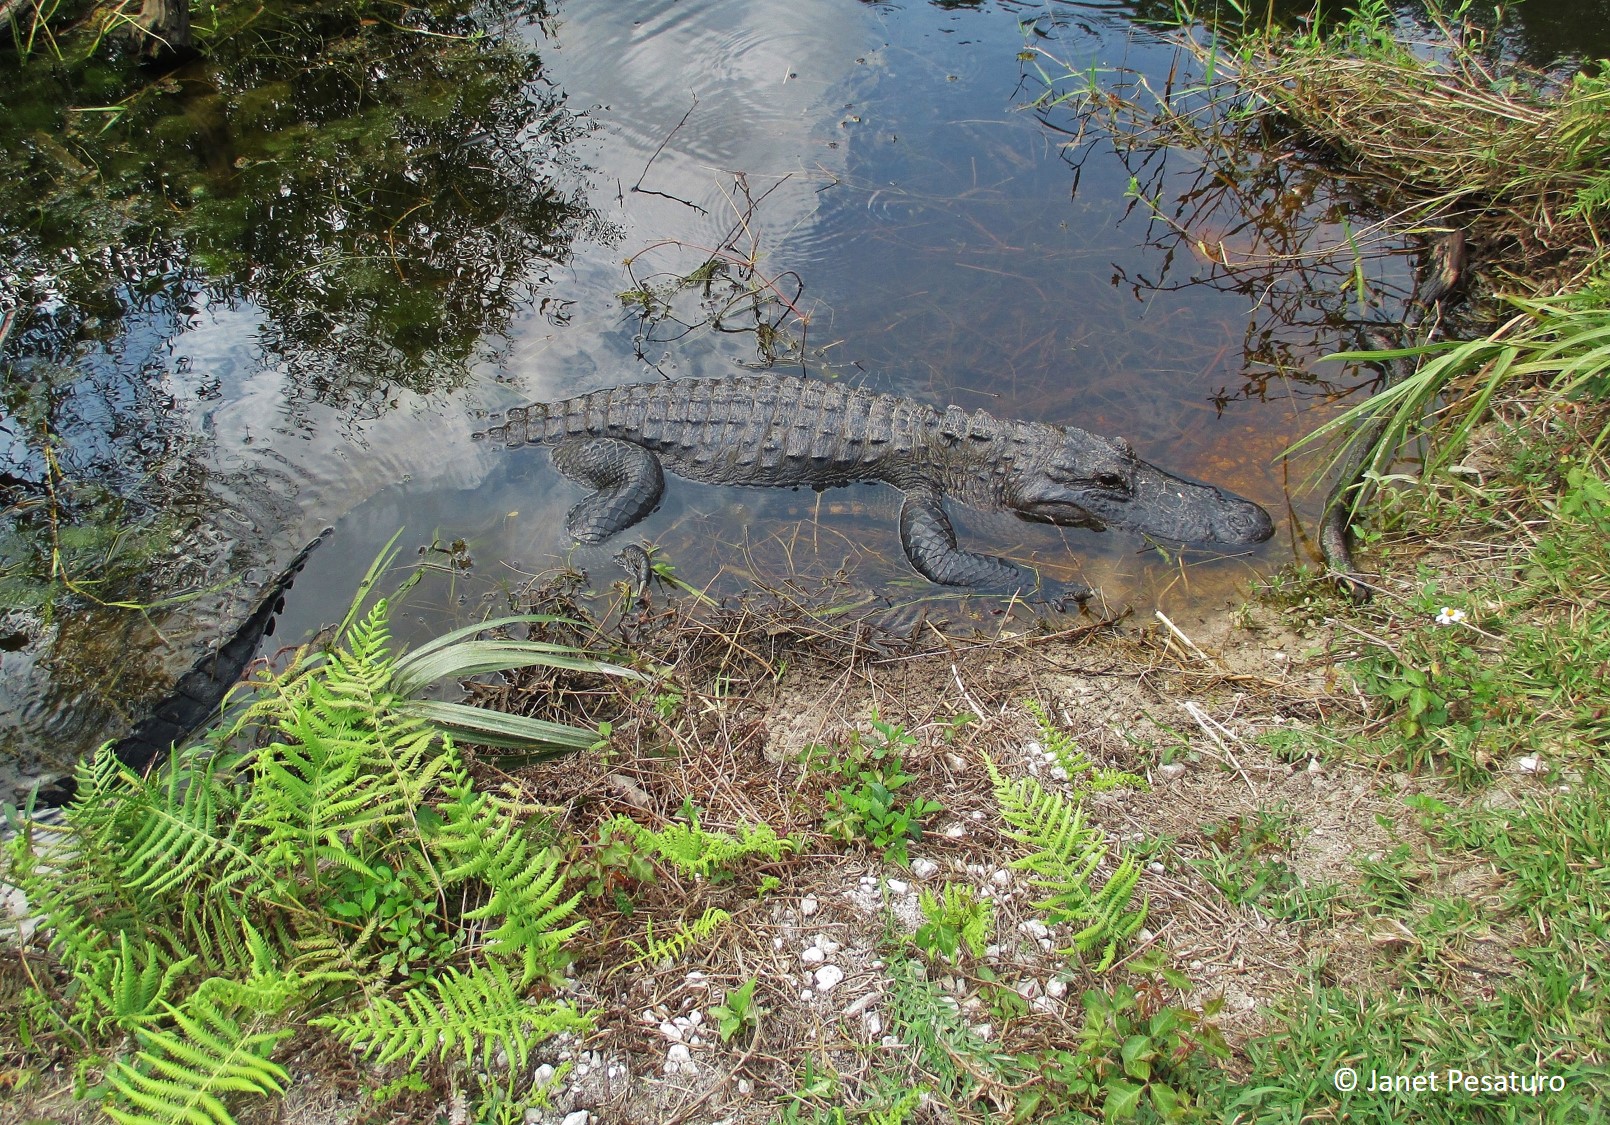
<point>1241,521</point>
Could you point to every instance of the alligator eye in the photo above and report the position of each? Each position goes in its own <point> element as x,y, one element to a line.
<point>1112,481</point>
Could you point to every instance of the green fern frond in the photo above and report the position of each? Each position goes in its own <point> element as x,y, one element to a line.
<point>1110,925</point>
<point>127,988</point>
<point>655,951</point>
<point>187,826</point>
<point>1066,850</point>
<point>214,926</point>
<point>478,1013</point>
<point>369,643</point>
<point>322,955</point>
<point>184,1074</point>
<point>1083,774</point>
<point>1066,853</point>
<point>485,839</point>
<point>72,911</point>
<point>70,872</point>
<point>345,707</point>
<point>309,797</point>
<point>900,1110</point>
<point>699,853</point>
<point>352,707</point>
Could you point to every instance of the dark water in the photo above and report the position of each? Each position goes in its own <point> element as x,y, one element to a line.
<point>884,203</point>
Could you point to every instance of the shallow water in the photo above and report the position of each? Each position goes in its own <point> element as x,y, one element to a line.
<point>874,174</point>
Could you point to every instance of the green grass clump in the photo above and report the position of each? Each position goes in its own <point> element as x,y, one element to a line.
<point>1249,860</point>
<point>1543,1017</point>
<point>1519,672</point>
<point>1496,993</point>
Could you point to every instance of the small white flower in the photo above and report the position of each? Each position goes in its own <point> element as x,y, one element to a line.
<point>1449,616</point>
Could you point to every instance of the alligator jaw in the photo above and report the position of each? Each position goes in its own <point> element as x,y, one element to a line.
<point>1062,513</point>
<point>1118,489</point>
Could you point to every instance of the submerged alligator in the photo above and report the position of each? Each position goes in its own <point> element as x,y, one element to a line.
<point>197,699</point>
<point>780,431</point>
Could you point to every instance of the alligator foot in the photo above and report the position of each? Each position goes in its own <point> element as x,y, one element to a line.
<point>929,540</point>
<point>628,478</point>
<point>635,561</point>
<point>1066,597</point>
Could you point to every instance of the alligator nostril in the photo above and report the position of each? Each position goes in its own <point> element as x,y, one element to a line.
<point>1247,523</point>
<point>1258,525</point>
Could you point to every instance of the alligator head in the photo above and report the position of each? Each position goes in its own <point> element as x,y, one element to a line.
<point>1077,479</point>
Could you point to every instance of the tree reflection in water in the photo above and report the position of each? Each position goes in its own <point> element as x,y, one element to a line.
<point>384,188</point>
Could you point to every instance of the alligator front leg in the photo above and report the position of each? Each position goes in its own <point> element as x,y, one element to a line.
<point>628,478</point>
<point>930,543</point>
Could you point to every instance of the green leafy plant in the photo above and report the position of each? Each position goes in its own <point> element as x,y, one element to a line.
<point>812,1086</point>
<point>737,1010</point>
<point>1084,776</point>
<point>350,866</point>
<point>870,810</point>
<point>867,808</point>
<point>952,919</point>
<point>944,1044</point>
<point>612,865</point>
<point>1066,853</point>
<point>1134,1054</point>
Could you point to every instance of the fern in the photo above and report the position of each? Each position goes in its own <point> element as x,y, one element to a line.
<point>478,1012</point>
<point>901,1110</point>
<point>1083,774</point>
<point>314,801</point>
<point>1109,925</point>
<point>353,754</point>
<point>205,909</point>
<point>125,989</point>
<point>72,873</point>
<point>183,1074</point>
<point>655,951</point>
<point>188,827</point>
<point>1066,853</point>
<point>698,853</point>
<point>487,839</point>
<point>214,926</point>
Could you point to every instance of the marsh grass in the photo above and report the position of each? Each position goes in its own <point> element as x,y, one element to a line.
<point>1433,130</point>
<point>1445,132</point>
<point>1561,343</point>
<point>1442,124</point>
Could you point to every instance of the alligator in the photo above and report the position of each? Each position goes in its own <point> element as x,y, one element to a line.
<point>781,431</point>
<point>197,699</point>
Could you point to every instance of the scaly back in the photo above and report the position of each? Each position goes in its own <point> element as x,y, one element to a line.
<point>758,429</point>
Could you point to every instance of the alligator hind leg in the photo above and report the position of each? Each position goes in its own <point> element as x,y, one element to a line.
<point>930,543</point>
<point>628,478</point>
